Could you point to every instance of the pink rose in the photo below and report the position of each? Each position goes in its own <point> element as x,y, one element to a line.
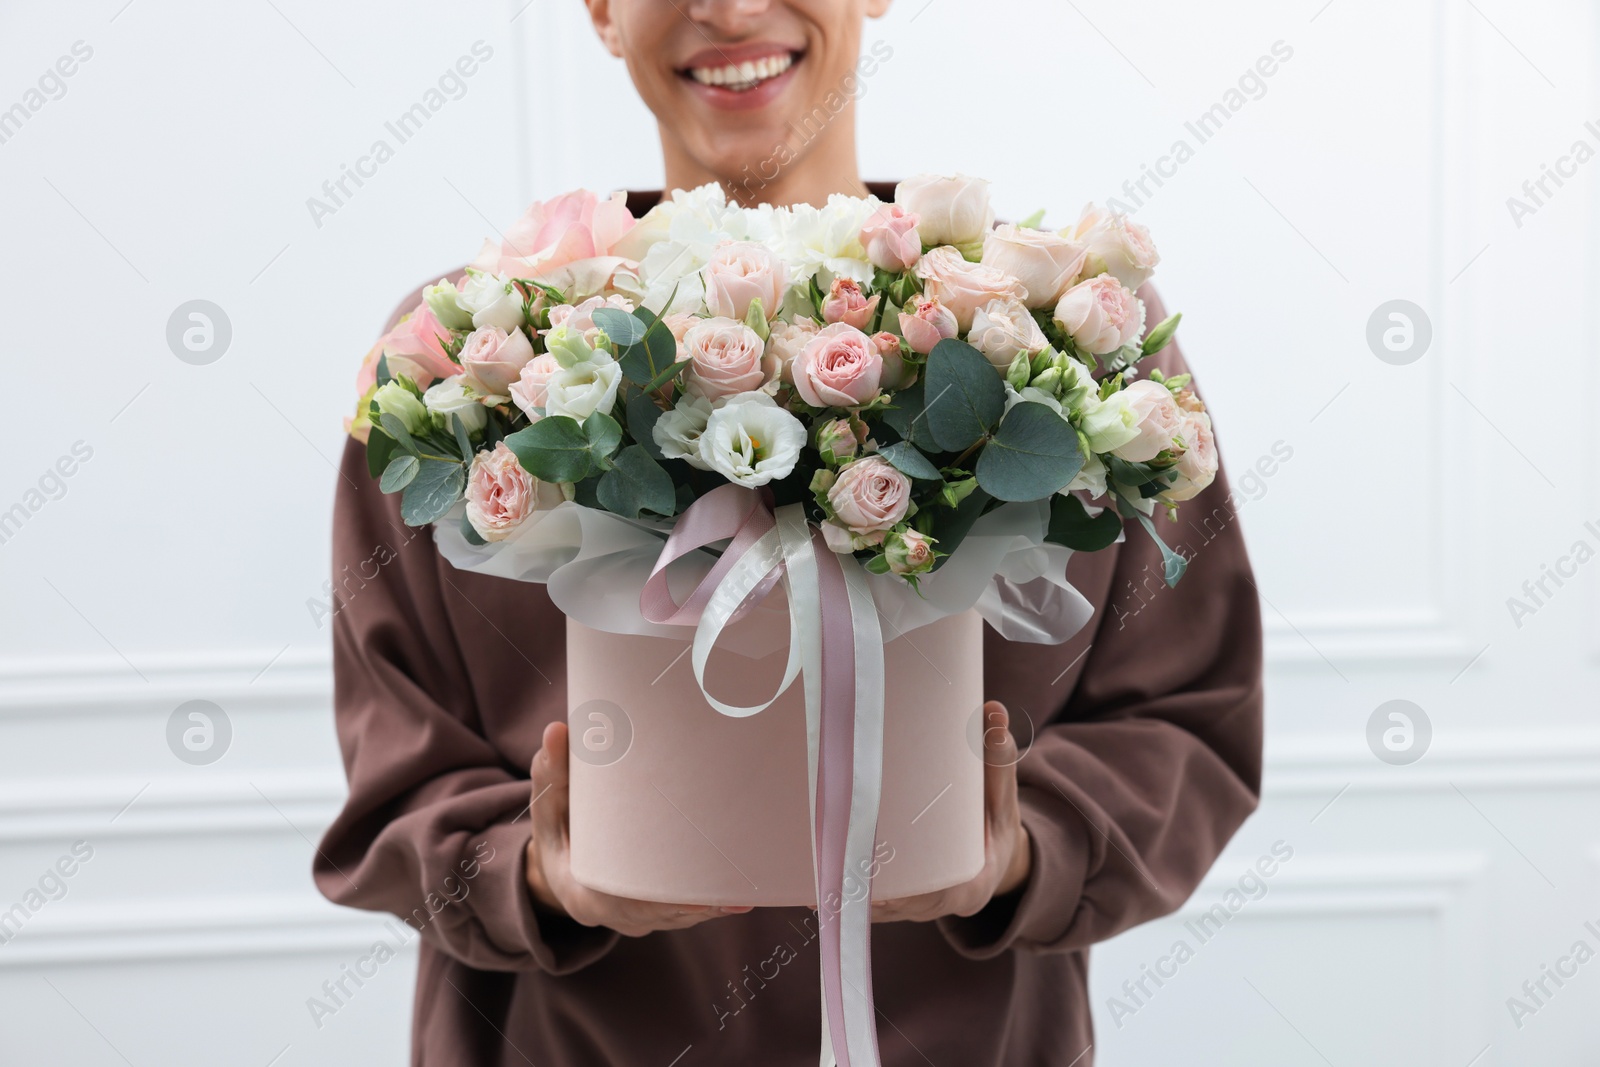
<point>528,391</point>
<point>414,348</point>
<point>492,359</point>
<point>910,552</point>
<point>724,359</point>
<point>1100,315</point>
<point>1002,330</point>
<point>740,273</point>
<point>558,233</point>
<point>580,317</point>
<point>965,287</point>
<point>1198,466</point>
<point>896,375</point>
<point>926,322</point>
<point>846,303</point>
<point>500,493</point>
<point>783,344</point>
<point>870,496</point>
<point>839,367</point>
<point>1045,263</point>
<point>838,439</point>
<point>1116,245</point>
<point>891,239</point>
<point>1157,416</point>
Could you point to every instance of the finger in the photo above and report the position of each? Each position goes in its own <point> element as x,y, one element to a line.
<point>999,760</point>
<point>550,777</point>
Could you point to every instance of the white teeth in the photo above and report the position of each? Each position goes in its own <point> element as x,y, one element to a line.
<point>743,76</point>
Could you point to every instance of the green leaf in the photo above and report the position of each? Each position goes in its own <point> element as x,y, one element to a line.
<point>908,418</point>
<point>396,429</point>
<point>964,394</point>
<point>624,329</point>
<point>642,416</point>
<point>1033,454</point>
<point>384,374</point>
<point>604,436</point>
<point>951,525</point>
<point>554,449</point>
<point>905,458</point>
<point>434,491</point>
<point>1071,525</point>
<point>637,483</point>
<point>470,534</point>
<point>380,447</point>
<point>1161,335</point>
<point>400,472</point>
<point>1032,222</point>
<point>463,439</point>
<point>666,376</point>
<point>650,358</point>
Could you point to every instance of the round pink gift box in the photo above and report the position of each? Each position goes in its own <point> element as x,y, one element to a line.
<point>673,801</point>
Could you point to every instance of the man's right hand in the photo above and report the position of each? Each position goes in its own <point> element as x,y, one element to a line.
<point>549,851</point>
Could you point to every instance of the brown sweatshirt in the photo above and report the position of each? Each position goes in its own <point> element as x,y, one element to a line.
<point>1146,759</point>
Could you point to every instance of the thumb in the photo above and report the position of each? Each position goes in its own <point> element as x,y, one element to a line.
<point>550,777</point>
<point>999,757</point>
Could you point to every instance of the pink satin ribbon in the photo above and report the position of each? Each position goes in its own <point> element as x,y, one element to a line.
<point>744,516</point>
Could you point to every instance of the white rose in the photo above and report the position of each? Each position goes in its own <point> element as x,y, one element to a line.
<point>950,210</point>
<point>1116,245</point>
<point>1002,329</point>
<point>491,300</point>
<point>582,389</point>
<point>751,441</point>
<point>1045,263</point>
<point>452,397</point>
<point>677,432</point>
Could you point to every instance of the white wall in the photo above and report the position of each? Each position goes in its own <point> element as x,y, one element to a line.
<point>178,563</point>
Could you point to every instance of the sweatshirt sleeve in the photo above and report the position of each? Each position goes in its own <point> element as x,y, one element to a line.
<point>1153,760</point>
<point>436,826</point>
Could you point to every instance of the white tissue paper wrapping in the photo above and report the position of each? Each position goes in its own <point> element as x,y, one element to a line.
<point>595,564</point>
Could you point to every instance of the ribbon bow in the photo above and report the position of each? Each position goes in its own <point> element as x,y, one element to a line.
<point>835,640</point>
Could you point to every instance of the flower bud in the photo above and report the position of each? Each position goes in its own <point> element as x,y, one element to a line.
<point>395,399</point>
<point>442,299</point>
<point>909,553</point>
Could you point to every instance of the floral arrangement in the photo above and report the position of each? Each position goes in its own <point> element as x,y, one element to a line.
<point>899,368</point>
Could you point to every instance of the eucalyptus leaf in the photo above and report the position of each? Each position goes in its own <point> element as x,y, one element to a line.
<point>908,418</point>
<point>1173,565</point>
<point>652,356</point>
<point>642,416</point>
<point>1071,525</point>
<point>965,396</point>
<point>463,439</point>
<point>396,429</point>
<point>1034,454</point>
<point>401,472</point>
<point>380,448</point>
<point>951,525</point>
<point>624,329</point>
<point>604,436</point>
<point>905,458</point>
<point>470,534</point>
<point>434,491</point>
<point>554,449</point>
<point>636,483</point>
<point>384,374</point>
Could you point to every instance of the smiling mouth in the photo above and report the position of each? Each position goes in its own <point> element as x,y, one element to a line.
<point>743,77</point>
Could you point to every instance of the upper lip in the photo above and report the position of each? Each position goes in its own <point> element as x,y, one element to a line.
<point>731,55</point>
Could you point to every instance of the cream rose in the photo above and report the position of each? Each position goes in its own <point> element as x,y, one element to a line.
<point>1115,245</point>
<point>1101,315</point>
<point>839,367</point>
<point>1155,415</point>
<point>785,342</point>
<point>725,357</point>
<point>1198,466</point>
<point>950,210</point>
<point>1045,263</point>
<point>870,496</point>
<point>891,239</point>
<point>491,300</point>
<point>1002,329</point>
<point>965,287</point>
<point>500,493</point>
<point>741,272</point>
<point>751,441</point>
<point>492,359</point>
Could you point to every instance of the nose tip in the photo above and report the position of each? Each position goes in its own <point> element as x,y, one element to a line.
<point>728,16</point>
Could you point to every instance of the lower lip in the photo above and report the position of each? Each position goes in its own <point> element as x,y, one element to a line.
<point>751,99</point>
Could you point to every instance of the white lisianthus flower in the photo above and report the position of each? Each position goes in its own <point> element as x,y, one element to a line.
<point>751,441</point>
<point>452,397</point>
<point>825,243</point>
<point>677,432</point>
<point>1110,423</point>
<point>582,389</point>
<point>491,300</point>
<point>1091,478</point>
<point>1030,394</point>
